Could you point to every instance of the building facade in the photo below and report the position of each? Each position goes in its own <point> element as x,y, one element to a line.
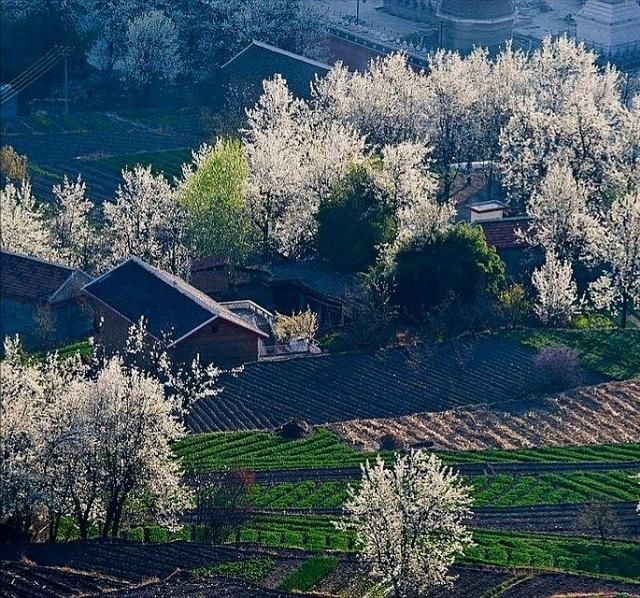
<point>611,27</point>
<point>465,24</point>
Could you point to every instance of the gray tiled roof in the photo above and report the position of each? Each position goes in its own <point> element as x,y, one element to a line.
<point>171,307</point>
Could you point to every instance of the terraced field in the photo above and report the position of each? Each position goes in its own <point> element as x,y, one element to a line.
<point>392,383</point>
<point>540,551</point>
<point>324,449</point>
<point>603,414</point>
<point>24,580</point>
<point>488,491</point>
<point>95,145</point>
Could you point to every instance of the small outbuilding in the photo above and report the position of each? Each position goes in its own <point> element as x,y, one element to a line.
<point>178,317</point>
<point>42,302</point>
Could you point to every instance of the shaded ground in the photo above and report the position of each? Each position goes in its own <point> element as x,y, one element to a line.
<point>96,145</point>
<point>397,382</point>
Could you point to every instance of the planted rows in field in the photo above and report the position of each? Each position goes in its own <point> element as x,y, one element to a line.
<point>497,548</point>
<point>324,449</point>
<point>602,414</point>
<point>338,387</point>
<point>495,491</point>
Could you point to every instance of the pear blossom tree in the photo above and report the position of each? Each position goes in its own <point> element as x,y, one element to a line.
<point>410,521</point>
<point>557,294</point>
<point>72,233</point>
<point>619,251</point>
<point>561,219</point>
<point>23,226</point>
<point>295,158</point>
<point>152,49</point>
<point>412,190</point>
<point>146,221</point>
<point>569,110</point>
<point>87,441</point>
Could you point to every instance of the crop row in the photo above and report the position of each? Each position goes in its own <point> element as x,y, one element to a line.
<point>498,491</point>
<point>540,551</point>
<point>267,451</point>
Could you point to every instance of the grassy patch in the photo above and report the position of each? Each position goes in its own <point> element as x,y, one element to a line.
<point>324,449</point>
<point>252,570</point>
<point>505,549</point>
<point>168,162</point>
<point>615,353</point>
<point>309,574</point>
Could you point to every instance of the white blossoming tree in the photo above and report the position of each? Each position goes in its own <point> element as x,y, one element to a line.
<point>410,521</point>
<point>152,49</point>
<point>619,251</point>
<point>72,233</point>
<point>561,219</point>
<point>557,298</point>
<point>295,157</point>
<point>146,221</point>
<point>412,189</point>
<point>23,228</point>
<point>86,442</point>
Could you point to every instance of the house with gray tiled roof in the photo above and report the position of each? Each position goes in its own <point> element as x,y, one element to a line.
<point>41,301</point>
<point>179,317</point>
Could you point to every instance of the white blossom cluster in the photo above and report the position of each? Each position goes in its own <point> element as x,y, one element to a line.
<point>92,442</point>
<point>410,521</point>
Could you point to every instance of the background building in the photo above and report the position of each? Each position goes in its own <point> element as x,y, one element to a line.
<point>468,23</point>
<point>612,27</point>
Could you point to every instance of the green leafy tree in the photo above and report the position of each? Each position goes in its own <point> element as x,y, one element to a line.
<point>457,266</point>
<point>213,194</point>
<point>354,221</point>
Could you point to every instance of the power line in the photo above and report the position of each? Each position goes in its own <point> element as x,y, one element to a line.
<point>41,69</point>
<point>35,72</point>
<point>34,66</point>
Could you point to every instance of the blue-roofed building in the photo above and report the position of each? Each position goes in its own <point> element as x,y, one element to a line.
<point>178,317</point>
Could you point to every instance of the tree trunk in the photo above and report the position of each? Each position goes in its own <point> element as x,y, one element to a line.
<point>117,517</point>
<point>625,310</point>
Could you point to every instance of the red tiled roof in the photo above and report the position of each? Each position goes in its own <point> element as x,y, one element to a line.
<point>30,279</point>
<point>503,233</point>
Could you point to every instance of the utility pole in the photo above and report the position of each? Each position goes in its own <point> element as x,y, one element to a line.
<point>66,85</point>
<point>357,12</point>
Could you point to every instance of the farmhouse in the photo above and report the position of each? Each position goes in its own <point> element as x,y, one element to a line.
<point>42,301</point>
<point>178,316</point>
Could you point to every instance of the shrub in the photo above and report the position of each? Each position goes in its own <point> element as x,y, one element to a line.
<point>515,305</point>
<point>457,267</point>
<point>155,533</point>
<point>136,534</point>
<point>295,429</point>
<point>593,322</point>
<point>303,325</point>
<point>182,533</point>
<point>557,368</point>
<point>391,442</point>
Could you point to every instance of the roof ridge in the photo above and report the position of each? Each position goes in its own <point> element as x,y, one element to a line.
<point>38,259</point>
<point>277,50</point>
